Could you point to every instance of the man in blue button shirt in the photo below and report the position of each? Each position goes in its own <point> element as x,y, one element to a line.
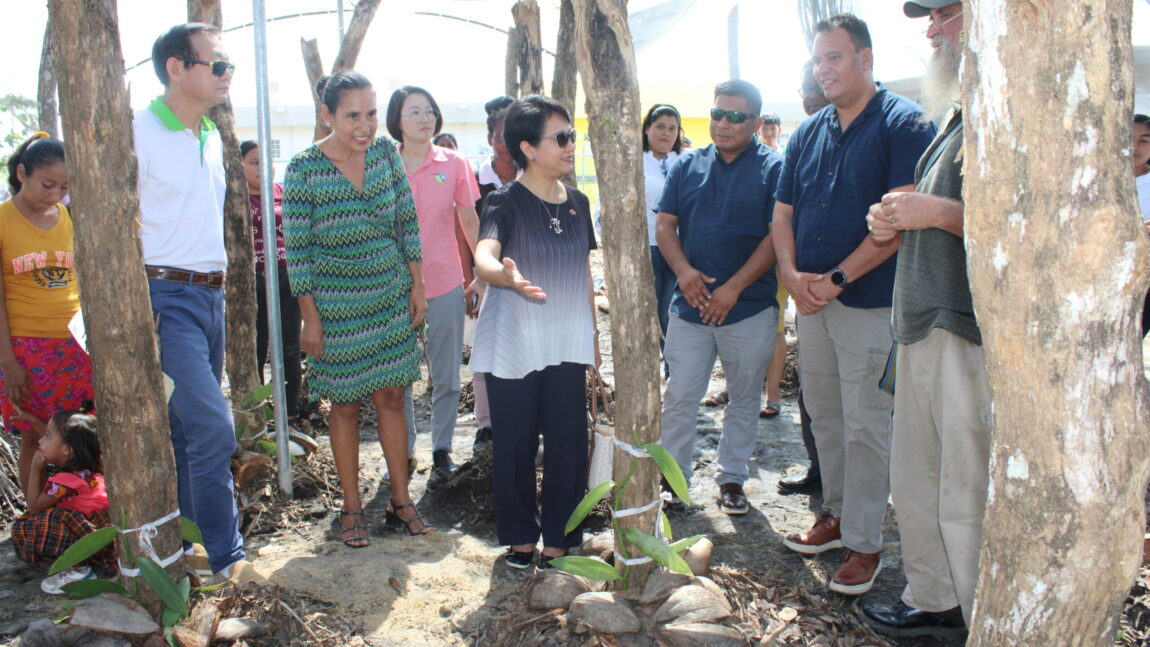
<point>840,161</point>
<point>713,230</point>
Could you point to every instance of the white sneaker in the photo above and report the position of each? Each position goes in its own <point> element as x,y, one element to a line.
<point>53,584</point>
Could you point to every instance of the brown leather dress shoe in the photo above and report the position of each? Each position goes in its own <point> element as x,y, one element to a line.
<point>822,536</point>
<point>857,573</point>
<point>732,499</point>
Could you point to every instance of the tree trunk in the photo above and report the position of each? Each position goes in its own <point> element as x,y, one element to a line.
<point>1058,268</point>
<point>348,54</point>
<point>607,66</point>
<point>563,81</point>
<point>529,56</point>
<point>46,91</point>
<point>313,64</point>
<point>137,449</point>
<point>245,374</point>
<point>511,63</point>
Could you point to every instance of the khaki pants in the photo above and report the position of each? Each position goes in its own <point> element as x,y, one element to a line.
<point>940,468</point>
<point>842,354</point>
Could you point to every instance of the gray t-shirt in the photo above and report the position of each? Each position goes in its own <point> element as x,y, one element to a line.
<point>931,288</point>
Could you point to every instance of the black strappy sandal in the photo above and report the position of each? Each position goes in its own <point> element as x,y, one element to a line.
<point>356,540</point>
<point>395,521</point>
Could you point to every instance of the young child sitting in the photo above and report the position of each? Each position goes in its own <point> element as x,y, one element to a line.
<point>71,504</point>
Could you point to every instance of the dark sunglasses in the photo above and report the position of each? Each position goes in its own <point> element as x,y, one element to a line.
<point>219,68</point>
<point>733,116</point>
<point>563,137</point>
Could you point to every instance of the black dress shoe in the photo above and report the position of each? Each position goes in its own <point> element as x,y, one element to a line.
<point>801,483</point>
<point>903,621</point>
<point>482,440</point>
<point>442,465</point>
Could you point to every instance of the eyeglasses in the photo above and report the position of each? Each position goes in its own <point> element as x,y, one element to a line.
<point>420,115</point>
<point>932,25</point>
<point>563,137</point>
<point>733,116</point>
<point>219,68</point>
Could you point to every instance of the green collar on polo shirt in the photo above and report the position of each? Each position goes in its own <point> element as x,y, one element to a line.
<point>169,119</point>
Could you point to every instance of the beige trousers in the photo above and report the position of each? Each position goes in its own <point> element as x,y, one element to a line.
<point>940,468</point>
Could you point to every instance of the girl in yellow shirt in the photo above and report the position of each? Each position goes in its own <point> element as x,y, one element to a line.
<point>44,369</point>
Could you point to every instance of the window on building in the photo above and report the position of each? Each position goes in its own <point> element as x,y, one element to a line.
<point>275,149</point>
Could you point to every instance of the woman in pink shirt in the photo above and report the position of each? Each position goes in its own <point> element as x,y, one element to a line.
<point>445,193</point>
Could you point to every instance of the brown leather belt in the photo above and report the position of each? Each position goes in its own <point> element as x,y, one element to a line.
<point>208,279</point>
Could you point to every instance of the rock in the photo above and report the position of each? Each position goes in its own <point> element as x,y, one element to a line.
<point>601,545</point>
<point>41,633</point>
<point>200,629</point>
<point>715,590</point>
<point>660,585</point>
<point>233,629</point>
<point>604,612</point>
<point>119,616</point>
<point>698,556</point>
<point>695,634</point>
<point>603,304</point>
<point>556,590</point>
<point>692,603</point>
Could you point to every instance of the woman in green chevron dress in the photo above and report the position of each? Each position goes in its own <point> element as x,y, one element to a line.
<point>353,259</point>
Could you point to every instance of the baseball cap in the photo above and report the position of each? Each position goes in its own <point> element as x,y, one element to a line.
<point>920,8</point>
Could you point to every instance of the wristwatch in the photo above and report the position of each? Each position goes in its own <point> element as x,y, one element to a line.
<point>839,278</point>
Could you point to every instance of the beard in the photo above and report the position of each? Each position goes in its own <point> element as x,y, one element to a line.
<point>941,87</point>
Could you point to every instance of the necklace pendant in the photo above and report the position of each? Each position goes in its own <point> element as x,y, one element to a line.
<point>555,226</point>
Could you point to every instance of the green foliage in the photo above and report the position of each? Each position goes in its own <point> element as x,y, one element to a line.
<point>190,532</point>
<point>88,545</point>
<point>657,550</point>
<point>21,118</point>
<point>587,504</point>
<point>670,470</point>
<point>91,588</point>
<point>648,544</point>
<point>591,567</point>
<point>259,395</point>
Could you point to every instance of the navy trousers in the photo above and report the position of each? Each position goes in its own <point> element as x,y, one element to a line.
<point>550,402</point>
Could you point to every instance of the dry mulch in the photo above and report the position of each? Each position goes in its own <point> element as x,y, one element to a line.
<point>292,618</point>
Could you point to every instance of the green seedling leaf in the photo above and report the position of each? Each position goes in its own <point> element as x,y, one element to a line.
<point>670,470</point>
<point>186,590</point>
<point>666,526</point>
<point>584,508</point>
<point>89,545</point>
<point>266,447</point>
<point>657,550</point>
<point>91,588</point>
<point>259,395</point>
<point>591,567</point>
<point>209,588</point>
<point>169,618</point>
<point>190,532</point>
<point>269,412</point>
<point>163,585</point>
<point>684,544</point>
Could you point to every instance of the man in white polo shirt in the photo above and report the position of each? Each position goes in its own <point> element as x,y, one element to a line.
<point>182,186</point>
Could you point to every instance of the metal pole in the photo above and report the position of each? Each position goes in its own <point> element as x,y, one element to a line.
<point>271,276</point>
<point>339,12</point>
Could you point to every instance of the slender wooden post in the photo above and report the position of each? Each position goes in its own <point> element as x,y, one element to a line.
<point>606,60</point>
<point>140,467</point>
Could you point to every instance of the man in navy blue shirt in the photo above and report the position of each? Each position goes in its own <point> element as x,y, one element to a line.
<point>840,161</point>
<point>713,230</point>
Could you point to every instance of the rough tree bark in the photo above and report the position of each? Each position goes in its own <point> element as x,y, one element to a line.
<point>245,374</point>
<point>1058,270</point>
<point>121,334</point>
<point>345,59</point>
<point>46,91</point>
<point>511,64</point>
<point>606,60</point>
<point>529,50</point>
<point>564,77</point>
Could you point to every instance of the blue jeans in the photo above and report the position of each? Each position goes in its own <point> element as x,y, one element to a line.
<point>190,326</point>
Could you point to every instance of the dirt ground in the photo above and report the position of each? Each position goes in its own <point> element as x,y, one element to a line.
<point>435,590</point>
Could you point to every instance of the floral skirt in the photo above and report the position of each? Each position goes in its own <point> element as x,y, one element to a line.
<point>59,378</point>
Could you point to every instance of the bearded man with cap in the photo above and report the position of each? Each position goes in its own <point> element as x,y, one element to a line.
<point>941,445</point>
